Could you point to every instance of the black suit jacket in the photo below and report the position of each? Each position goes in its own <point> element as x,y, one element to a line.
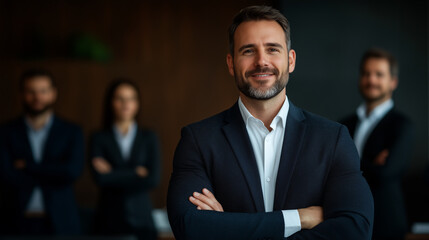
<point>394,132</point>
<point>124,201</point>
<point>61,165</point>
<point>319,166</point>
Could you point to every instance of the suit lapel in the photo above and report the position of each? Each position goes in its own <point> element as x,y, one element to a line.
<point>136,148</point>
<point>293,139</point>
<point>117,158</point>
<point>23,136</point>
<point>51,139</point>
<point>236,134</point>
<point>376,131</point>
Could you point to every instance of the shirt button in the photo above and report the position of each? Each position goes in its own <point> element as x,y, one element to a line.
<point>268,179</point>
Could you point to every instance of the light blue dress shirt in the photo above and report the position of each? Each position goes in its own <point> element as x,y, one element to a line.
<point>367,123</point>
<point>125,142</point>
<point>37,139</point>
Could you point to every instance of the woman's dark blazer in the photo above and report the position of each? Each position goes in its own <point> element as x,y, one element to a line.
<point>124,201</point>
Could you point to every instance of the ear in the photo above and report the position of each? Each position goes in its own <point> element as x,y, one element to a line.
<point>395,83</point>
<point>54,93</point>
<point>230,62</point>
<point>292,60</point>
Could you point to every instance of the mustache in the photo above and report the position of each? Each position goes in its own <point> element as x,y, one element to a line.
<point>262,70</point>
<point>371,86</point>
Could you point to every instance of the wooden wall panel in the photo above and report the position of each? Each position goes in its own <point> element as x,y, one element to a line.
<point>174,51</point>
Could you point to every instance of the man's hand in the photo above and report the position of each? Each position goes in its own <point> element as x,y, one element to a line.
<point>380,160</point>
<point>142,171</point>
<point>205,201</point>
<point>101,165</point>
<point>310,217</point>
<point>19,164</point>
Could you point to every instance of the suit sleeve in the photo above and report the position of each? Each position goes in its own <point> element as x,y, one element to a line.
<point>127,178</point>
<point>8,173</point>
<point>399,152</point>
<point>347,203</point>
<point>189,175</point>
<point>68,169</point>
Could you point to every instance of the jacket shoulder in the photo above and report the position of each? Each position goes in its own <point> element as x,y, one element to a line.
<point>319,121</point>
<point>215,121</point>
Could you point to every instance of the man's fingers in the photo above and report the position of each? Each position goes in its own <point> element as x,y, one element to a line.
<point>200,205</point>
<point>208,193</point>
<point>203,198</point>
<point>208,198</point>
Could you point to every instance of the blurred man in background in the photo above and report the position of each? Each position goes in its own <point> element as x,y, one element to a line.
<point>41,156</point>
<point>384,139</point>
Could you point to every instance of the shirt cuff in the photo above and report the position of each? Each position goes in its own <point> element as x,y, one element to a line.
<point>292,222</point>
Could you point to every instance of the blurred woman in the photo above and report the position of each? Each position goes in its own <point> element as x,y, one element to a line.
<point>125,162</point>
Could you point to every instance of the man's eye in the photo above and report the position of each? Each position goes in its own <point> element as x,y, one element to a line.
<point>273,50</point>
<point>248,51</point>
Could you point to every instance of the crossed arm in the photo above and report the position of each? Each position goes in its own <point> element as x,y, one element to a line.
<point>130,178</point>
<point>309,217</point>
<point>347,201</point>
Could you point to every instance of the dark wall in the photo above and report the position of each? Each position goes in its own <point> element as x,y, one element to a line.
<point>330,38</point>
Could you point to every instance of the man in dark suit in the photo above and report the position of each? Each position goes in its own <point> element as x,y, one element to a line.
<point>266,169</point>
<point>384,139</point>
<point>41,156</point>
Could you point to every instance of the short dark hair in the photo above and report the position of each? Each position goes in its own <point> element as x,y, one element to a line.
<point>35,72</point>
<point>108,115</point>
<point>257,13</point>
<point>380,54</point>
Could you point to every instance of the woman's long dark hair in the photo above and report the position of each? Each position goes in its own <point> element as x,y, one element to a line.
<point>109,115</point>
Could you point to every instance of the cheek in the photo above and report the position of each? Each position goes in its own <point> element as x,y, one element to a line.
<point>243,64</point>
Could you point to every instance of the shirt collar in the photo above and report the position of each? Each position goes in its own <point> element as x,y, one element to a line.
<point>377,112</point>
<point>282,114</point>
<point>46,127</point>
<point>131,131</point>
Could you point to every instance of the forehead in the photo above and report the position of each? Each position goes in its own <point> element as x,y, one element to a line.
<point>262,31</point>
<point>380,64</point>
<point>125,89</point>
<point>38,81</point>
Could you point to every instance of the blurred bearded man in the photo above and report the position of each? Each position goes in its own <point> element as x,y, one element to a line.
<point>41,156</point>
<point>384,139</point>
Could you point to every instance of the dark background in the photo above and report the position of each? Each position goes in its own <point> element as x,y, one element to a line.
<point>175,51</point>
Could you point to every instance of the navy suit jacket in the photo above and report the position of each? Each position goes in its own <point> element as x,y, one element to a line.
<point>124,201</point>
<point>395,133</point>
<point>319,165</point>
<point>62,163</point>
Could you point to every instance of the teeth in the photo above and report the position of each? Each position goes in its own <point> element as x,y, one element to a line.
<point>263,75</point>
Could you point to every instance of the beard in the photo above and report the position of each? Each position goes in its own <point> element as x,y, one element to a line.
<point>36,112</point>
<point>368,98</point>
<point>259,94</point>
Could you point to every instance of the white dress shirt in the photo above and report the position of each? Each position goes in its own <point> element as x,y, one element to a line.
<point>126,141</point>
<point>366,123</point>
<point>37,139</point>
<point>267,147</point>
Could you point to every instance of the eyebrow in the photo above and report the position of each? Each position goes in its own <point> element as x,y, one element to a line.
<point>266,45</point>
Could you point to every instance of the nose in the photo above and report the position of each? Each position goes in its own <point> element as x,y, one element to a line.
<point>372,77</point>
<point>261,59</point>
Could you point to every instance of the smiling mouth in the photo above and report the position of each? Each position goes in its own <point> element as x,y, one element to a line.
<point>262,75</point>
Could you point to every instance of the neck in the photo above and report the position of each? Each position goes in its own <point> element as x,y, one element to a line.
<point>124,125</point>
<point>264,110</point>
<point>371,105</point>
<point>40,120</point>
